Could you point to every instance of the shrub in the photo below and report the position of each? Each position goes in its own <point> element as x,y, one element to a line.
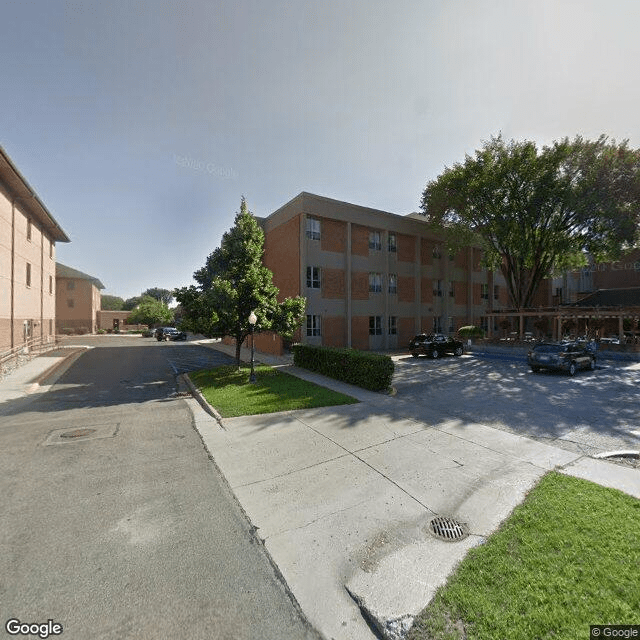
<point>81,331</point>
<point>100,331</point>
<point>470,331</point>
<point>66,331</point>
<point>147,333</point>
<point>371,371</point>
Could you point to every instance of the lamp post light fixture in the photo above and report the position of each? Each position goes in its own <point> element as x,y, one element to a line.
<point>252,321</point>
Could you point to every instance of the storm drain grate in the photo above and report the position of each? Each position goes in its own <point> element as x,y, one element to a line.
<point>448,529</point>
<point>77,433</point>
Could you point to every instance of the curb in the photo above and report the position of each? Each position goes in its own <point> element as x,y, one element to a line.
<point>57,369</point>
<point>201,401</point>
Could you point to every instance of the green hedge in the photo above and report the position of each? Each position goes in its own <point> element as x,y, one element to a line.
<point>367,370</point>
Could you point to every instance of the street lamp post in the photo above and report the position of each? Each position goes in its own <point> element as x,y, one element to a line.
<point>252,321</point>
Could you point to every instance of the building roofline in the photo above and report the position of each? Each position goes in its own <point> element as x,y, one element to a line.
<point>311,204</point>
<point>63,271</point>
<point>21,190</point>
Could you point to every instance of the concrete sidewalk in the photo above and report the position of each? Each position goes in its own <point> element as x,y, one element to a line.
<point>38,374</point>
<point>343,496</point>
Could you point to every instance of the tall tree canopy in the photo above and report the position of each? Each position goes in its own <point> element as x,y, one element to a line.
<point>164,295</point>
<point>151,312</point>
<point>537,212</point>
<point>233,283</point>
<point>111,303</point>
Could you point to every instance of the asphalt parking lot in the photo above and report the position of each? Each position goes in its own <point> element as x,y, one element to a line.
<point>593,412</point>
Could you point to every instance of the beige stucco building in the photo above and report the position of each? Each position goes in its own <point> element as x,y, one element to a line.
<point>28,235</point>
<point>77,300</point>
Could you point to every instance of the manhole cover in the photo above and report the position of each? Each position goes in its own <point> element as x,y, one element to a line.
<point>77,433</point>
<point>448,529</point>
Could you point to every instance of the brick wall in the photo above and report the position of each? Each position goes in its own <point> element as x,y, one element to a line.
<point>406,331</point>
<point>334,331</point>
<point>282,257</point>
<point>406,248</point>
<point>333,283</point>
<point>426,252</point>
<point>426,290</point>
<point>360,285</point>
<point>359,240</point>
<point>406,288</point>
<point>333,236</point>
<point>360,332</point>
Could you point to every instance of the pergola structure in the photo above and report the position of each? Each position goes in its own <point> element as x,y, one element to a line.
<point>558,316</point>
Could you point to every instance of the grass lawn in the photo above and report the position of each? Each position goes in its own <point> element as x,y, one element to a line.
<point>229,391</point>
<point>567,557</point>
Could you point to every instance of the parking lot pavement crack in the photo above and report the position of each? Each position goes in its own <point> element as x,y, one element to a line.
<point>289,473</point>
<point>357,457</point>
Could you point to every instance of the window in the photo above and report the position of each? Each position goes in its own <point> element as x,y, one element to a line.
<point>313,229</point>
<point>374,240</point>
<point>452,325</point>
<point>375,325</point>
<point>393,243</point>
<point>71,303</point>
<point>313,325</point>
<point>558,292</point>
<point>28,274</point>
<point>51,284</point>
<point>437,291</point>
<point>436,251</point>
<point>452,289</point>
<point>29,230</point>
<point>496,292</point>
<point>393,325</point>
<point>375,282</point>
<point>313,277</point>
<point>484,291</point>
<point>70,285</point>
<point>393,283</point>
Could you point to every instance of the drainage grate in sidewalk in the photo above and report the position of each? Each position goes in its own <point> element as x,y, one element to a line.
<point>448,529</point>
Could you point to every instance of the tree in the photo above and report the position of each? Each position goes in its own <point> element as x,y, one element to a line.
<point>164,295</point>
<point>131,303</point>
<point>232,284</point>
<point>150,311</point>
<point>537,213</point>
<point>111,303</point>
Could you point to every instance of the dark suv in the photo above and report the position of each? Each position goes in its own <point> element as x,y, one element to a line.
<point>562,356</point>
<point>434,345</point>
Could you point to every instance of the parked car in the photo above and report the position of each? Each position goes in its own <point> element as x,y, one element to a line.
<point>434,345</point>
<point>562,356</point>
<point>169,333</point>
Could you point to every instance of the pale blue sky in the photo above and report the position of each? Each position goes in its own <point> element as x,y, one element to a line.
<point>141,124</point>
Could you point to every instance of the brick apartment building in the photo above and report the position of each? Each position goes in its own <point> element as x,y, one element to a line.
<point>28,234</point>
<point>77,300</point>
<point>373,279</point>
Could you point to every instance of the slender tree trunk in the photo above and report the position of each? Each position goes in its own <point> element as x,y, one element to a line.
<point>238,347</point>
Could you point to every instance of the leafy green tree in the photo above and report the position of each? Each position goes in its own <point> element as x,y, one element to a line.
<point>131,303</point>
<point>164,295</point>
<point>150,312</point>
<point>111,303</point>
<point>232,284</point>
<point>538,212</point>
